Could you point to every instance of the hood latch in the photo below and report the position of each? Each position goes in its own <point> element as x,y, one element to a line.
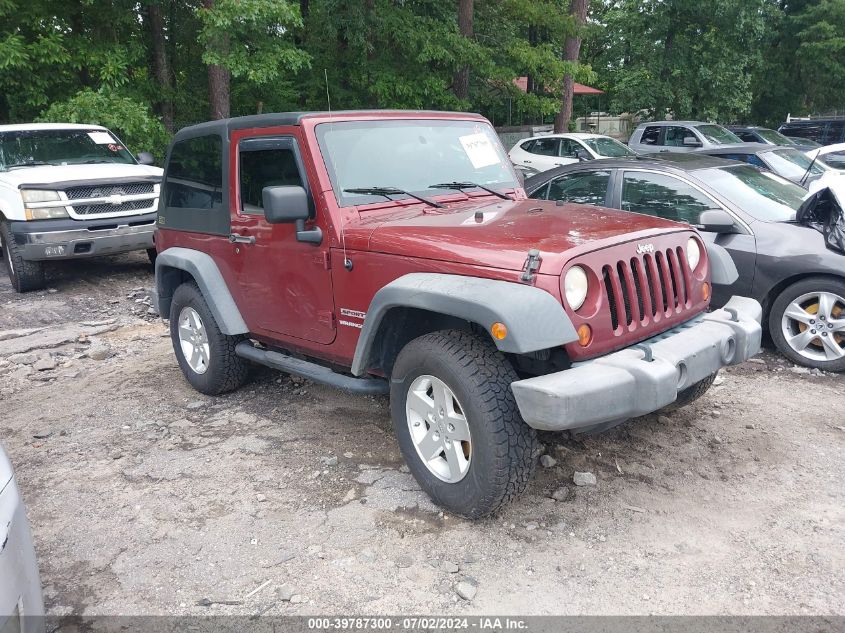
<point>531,265</point>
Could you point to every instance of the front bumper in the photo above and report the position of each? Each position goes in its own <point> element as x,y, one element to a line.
<point>627,384</point>
<point>67,239</point>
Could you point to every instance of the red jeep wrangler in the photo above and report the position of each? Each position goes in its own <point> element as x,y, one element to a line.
<point>397,252</point>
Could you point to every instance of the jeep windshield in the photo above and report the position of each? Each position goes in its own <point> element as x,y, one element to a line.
<point>411,155</point>
<point>26,148</point>
<point>762,194</point>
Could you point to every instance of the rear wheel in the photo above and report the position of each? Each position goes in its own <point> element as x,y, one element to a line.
<point>152,254</point>
<point>457,422</point>
<point>205,355</point>
<point>24,275</point>
<point>807,323</point>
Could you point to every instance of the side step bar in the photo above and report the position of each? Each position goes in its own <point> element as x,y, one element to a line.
<point>311,371</point>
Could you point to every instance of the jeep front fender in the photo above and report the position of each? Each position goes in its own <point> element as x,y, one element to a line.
<point>171,263</point>
<point>534,318</point>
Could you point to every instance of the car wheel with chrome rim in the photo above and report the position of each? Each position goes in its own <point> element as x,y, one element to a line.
<point>457,422</point>
<point>807,323</point>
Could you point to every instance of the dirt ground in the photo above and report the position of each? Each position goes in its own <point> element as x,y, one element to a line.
<point>286,497</point>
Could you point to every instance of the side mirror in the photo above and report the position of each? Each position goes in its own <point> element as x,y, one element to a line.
<point>145,158</point>
<point>289,204</point>
<point>582,155</point>
<point>691,141</point>
<point>716,221</point>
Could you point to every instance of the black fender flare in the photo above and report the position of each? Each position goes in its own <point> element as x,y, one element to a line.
<point>534,318</point>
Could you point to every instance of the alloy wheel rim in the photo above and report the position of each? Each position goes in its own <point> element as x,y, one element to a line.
<point>193,339</point>
<point>814,326</point>
<point>439,429</point>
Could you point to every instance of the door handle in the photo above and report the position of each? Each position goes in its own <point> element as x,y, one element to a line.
<point>526,161</point>
<point>235,238</point>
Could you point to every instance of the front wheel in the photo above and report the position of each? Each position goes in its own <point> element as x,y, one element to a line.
<point>807,323</point>
<point>23,274</point>
<point>457,422</point>
<point>205,355</point>
<point>691,393</point>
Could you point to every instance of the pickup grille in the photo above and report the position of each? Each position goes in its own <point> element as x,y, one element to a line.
<point>99,209</point>
<point>104,191</point>
<point>647,287</point>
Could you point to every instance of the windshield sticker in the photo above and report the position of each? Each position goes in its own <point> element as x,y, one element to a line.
<point>101,138</point>
<point>480,150</point>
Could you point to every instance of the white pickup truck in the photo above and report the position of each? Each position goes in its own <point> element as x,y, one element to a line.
<point>69,191</point>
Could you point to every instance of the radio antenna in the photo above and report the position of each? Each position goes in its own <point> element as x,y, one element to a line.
<point>347,263</point>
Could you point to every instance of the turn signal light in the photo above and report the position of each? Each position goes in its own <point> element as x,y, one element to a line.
<point>705,291</point>
<point>499,331</point>
<point>585,335</point>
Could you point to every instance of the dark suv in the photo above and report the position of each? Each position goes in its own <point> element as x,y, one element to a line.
<point>397,252</point>
<point>824,131</point>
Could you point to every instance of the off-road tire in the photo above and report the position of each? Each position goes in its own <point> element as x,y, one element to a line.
<point>504,447</point>
<point>226,370</point>
<point>152,254</point>
<point>779,305</point>
<point>691,393</point>
<point>24,275</point>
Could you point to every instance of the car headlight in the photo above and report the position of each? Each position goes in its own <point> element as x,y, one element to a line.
<point>34,196</point>
<point>693,253</point>
<point>575,286</point>
<point>39,195</point>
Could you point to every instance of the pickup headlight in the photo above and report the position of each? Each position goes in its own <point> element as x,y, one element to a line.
<point>33,196</point>
<point>575,287</point>
<point>693,253</point>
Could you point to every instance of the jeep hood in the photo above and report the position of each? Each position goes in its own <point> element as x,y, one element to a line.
<point>49,174</point>
<point>500,234</point>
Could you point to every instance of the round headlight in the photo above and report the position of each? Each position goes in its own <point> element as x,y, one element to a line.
<point>693,253</point>
<point>575,286</point>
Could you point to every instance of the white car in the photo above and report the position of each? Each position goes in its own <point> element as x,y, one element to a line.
<point>555,150</point>
<point>69,191</point>
<point>831,155</point>
<point>21,602</point>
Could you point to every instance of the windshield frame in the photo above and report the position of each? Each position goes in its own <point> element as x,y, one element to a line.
<point>709,176</point>
<point>345,200</point>
<point>700,128</point>
<point>127,157</point>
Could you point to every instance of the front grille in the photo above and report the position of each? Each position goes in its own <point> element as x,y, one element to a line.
<point>97,209</point>
<point>647,287</point>
<point>106,190</point>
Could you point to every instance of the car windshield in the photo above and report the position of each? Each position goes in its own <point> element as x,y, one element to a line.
<point>773,137</point>
<point>411,155</point>
<point>605,146</point>
<point>792,164</point>
<point>761,194</point>
<point>60,147</point>
<point>834,160</point>
<point>717,134</point>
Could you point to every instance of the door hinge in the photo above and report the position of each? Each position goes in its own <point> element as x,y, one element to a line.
<point>531,265</point>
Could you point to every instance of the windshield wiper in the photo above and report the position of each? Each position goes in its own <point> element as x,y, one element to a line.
<point>809,167</point>
<point>391,191</point>
<point>461,185</point>
<point>29,163</point>
<point>95,161</point>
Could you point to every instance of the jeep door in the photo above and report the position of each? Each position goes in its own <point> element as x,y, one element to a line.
<point>285,284</point>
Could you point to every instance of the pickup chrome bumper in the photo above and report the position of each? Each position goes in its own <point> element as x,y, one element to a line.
<point>643,378</point>
<point>42,239</point>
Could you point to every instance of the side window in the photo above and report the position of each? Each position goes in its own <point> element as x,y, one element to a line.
<point>583,187</point>
<point>751,159</point>
<point>527,145</point>
<point>651,136</point>
<point>748,137</point>
<point>545,147</point>
<point>569,148</point>
<point>663,196</point>
<point>264,167</point>
<point>675,136</point>
<point>195,174</point>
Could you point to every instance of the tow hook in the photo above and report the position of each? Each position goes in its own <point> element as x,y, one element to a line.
<point>649,355</point>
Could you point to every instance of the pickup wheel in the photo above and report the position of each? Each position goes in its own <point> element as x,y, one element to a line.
<point>691,393</point>
<point>807,323</point>
<point>206,355</point>
<point>457,422</point>
<point>152,254</point>
<point>24,275</point>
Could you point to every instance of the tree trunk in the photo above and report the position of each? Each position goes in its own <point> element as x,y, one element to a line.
<point>571,51</point>
<point>218,80</point>
<point>161,66</point>
<point>465,25</point>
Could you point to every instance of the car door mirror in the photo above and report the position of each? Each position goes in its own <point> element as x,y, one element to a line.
<point>145,158</point>
<point>691,141</point>
<point>716,221</point>
<point>285,204</point>
<point>582,155</point>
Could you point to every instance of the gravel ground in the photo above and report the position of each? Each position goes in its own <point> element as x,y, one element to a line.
<point>287,497</point>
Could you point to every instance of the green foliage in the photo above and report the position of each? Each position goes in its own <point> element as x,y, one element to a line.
<point>131,120</point>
